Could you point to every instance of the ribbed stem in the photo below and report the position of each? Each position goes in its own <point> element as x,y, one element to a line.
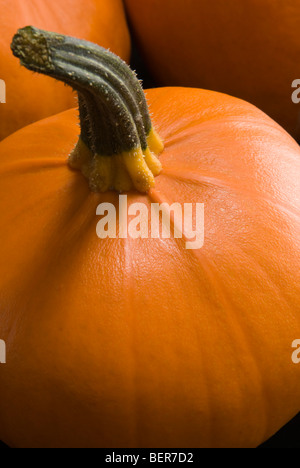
<point>117,140</point>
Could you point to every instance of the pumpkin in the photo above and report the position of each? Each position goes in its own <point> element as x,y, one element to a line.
<point>248,49</point>
<point>141,342</point>
<point>31,98</point>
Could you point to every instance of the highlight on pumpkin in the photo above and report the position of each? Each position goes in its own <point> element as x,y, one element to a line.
<point>118,147</point>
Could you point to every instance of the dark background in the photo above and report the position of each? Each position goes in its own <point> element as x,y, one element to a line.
<point>288,437</point>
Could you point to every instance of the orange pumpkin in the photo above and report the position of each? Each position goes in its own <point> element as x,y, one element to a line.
<point>141,342</point>
<point>248,48</point>
<point>31,98</point>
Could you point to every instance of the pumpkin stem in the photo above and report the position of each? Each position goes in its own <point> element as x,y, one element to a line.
<point>118,147</point>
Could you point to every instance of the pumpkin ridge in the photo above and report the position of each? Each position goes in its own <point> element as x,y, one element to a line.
<point>203,121</point>
<point>32,165</point>
<point>217,182</point>
<point>271,282</point>
<point>238,329</point>
<point>211,274</point>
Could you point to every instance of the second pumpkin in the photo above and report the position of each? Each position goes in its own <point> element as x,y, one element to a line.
<point>249,49</point>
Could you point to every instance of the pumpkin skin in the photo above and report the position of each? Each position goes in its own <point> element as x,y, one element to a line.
<point>248,49</point>
<point>33,97</point>
<point>142,343</point>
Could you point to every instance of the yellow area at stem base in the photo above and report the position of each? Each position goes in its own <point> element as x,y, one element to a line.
<point>132,169</point>
<point>154,142</point>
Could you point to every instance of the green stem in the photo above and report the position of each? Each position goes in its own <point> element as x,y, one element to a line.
<point>114,116</point>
